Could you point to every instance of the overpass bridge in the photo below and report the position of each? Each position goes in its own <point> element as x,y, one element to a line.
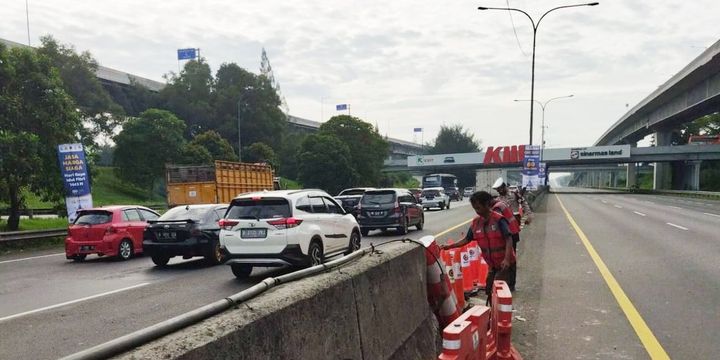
<point>691,93</point>
<point>597,159</point>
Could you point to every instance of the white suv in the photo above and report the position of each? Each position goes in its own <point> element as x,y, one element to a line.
<point>434,197</point>
<point>285,227</point>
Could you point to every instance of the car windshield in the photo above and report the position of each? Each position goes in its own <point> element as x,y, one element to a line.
<point>93,218</point>
<point>185,213</point>
<point>349,201</point>
<point>259,209</point>
<point>379,198</point>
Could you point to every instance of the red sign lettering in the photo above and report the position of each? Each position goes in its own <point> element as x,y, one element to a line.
<point>510,154</point>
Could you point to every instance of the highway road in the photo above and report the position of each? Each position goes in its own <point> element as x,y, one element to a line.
<point>658,294</point>
<point>51,307</point>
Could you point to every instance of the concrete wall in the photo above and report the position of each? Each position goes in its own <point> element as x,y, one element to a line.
<point>373,308</point>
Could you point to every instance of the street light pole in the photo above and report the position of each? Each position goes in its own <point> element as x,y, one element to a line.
<point>535,28</point>
<point>543,106</point>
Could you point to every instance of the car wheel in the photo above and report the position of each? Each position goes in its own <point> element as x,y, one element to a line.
<point>241,271</point>
<point>402,230</point>
<point>365,232</point>
<point>448,205</point>
<point>216,257</point>
<point>421,223</point>
<point>79,257</point>
<point>355,241</point>
<point>315,254</point>
<point>160,260</point>
<point>442,206</point>
<point>125,250</point>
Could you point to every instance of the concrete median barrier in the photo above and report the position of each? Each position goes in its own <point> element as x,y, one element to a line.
<point>373,308</point>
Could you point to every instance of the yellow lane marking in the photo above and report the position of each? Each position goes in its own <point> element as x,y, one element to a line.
<point>453,228</point>
<point>648,339</point>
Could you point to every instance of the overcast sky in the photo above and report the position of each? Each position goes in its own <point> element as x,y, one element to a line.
<point>404,64</point>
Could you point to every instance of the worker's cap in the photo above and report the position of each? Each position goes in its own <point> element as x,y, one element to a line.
<point>498,183</point>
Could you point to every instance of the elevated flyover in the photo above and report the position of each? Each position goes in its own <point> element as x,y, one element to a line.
<point>691,93</point>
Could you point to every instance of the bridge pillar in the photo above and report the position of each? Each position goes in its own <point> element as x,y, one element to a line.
<point>631,180</point>
<point>691,175</point>
<point>662,179</point>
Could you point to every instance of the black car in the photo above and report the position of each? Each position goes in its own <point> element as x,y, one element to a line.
<point>454,193</point>
<point>187,231</point>
<point>389,208</point>
<point>350,198</point>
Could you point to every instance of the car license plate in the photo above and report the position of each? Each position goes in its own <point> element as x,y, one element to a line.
<point>430,197</point>
<point>253,233</point>
<point>376,213</point>
<point>87,247</point>
<point>167,235</point>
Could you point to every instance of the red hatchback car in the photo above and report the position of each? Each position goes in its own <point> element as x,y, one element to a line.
<point>112,231</point>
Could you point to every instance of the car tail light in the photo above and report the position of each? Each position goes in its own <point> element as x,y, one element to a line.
<point>110,230</point>
<point>397,209</point>
<point>226,224</point>
<point>285,223</point>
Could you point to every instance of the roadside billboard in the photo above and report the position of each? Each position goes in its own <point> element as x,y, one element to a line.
<point>76,180</point>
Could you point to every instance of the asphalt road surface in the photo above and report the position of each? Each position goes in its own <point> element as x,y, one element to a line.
<point>661,255</point>
<point>51,307</point>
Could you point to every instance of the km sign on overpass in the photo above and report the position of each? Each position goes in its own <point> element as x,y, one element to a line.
<point>512,156</point>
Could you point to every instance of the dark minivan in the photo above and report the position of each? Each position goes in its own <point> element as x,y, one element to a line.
<point>187,231</point>
<point>389,208</point>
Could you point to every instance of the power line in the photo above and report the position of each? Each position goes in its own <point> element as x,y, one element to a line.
<point>514,30</point>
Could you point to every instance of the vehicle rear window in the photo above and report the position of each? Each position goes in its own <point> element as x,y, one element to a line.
<point>349,201</point>
<point>185,213</point>
<point>259,209</point>
<point>431,193</point>
<point>378,198</point>
<point>352,192</point>
<point>93,218</point>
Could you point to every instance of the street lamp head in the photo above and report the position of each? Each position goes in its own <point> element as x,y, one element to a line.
<point>482,8</point>
<point>593,3</point>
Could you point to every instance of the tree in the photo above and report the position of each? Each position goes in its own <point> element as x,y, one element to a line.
<point>77,72</point>
<point>188,95</point>
<point>369,149</point>
<point>194,154</point>
<point>36,115</point>
<point>456,139</point>
<point>240,93</point>
<point>146,144</point>
<point>218,148</point>
<point>289,155</point>
<point>325,163</point>
<point>259,152</point>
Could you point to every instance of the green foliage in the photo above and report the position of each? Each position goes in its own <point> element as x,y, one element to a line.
<point>287,184</point>
<point>219,148</point>
<point>456,139</point>
<point>36,115</point>
<point>325,163</point>
<point>399,180</point>
<point>710,176</point>
<point>706,125</point>
<point>289,155</point>
<point>368,148</point>
<point>194,154</point>
<point>146,144</point>
<point>38,224</point>
<point>77,72</point>
<point>259,152</point>
<point>134,99</point>
<point>208,103</point>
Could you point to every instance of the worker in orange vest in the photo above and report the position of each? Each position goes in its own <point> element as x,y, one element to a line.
<point>492,233</point>
<point>514,227</point>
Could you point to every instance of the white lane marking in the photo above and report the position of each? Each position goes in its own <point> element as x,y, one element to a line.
<point>639,213</point>
<point>71,302</point>
<point>716,215</point>
<point>677,226</point>
<point>649,202</point>
<point>604,201</point>
<point>30,258</point>
<point>618,206</point>
<point>675,207</point>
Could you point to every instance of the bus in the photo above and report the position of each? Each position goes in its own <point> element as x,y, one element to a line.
<point>447,181</point>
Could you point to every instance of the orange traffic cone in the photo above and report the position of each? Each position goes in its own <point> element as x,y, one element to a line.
<point>483,270</point>
<point>468,277</point>
<point>474,255</point>
<point>456,255</point>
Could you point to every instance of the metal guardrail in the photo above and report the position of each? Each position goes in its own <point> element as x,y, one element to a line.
<point>11,236</point>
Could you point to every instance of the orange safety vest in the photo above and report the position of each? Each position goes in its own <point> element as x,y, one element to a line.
<point>490,239</point>
<point>504,209</point>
